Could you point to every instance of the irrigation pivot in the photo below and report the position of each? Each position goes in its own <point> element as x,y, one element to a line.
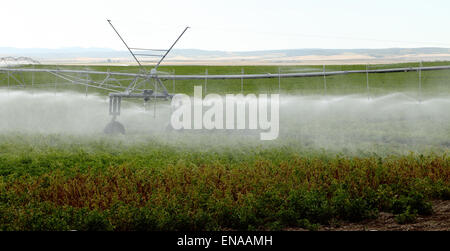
<point>132,85</point>
<point>140,80</point>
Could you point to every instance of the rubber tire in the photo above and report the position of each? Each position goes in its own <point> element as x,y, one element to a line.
<point>114,127</point>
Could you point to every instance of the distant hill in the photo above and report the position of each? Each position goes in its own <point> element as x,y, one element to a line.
<point>105,55</point>
<point>70,52</point>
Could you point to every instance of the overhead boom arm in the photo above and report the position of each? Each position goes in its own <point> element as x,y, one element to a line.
<point>129,49</point>
<point>167,52</point>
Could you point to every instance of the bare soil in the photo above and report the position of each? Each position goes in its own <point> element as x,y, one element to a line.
<point>438,221</point>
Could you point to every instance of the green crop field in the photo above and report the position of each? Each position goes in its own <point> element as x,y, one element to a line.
<point>345,160</point>
<point>433,83</point>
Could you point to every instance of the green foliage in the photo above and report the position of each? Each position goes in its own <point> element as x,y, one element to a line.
<point>407,217</point>
<point>159,187</point>
<point>412,202</point>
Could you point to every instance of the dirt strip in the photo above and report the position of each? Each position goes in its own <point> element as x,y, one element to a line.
<point>438,221</point>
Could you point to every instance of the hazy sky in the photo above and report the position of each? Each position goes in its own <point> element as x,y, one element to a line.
<point>233,25</point>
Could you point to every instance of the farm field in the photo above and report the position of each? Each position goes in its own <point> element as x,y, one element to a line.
<point>345,155</point>
<point>433,82</point>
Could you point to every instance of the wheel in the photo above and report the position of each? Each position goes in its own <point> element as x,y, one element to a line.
<point>169,128</point>
<point>114,127</point>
